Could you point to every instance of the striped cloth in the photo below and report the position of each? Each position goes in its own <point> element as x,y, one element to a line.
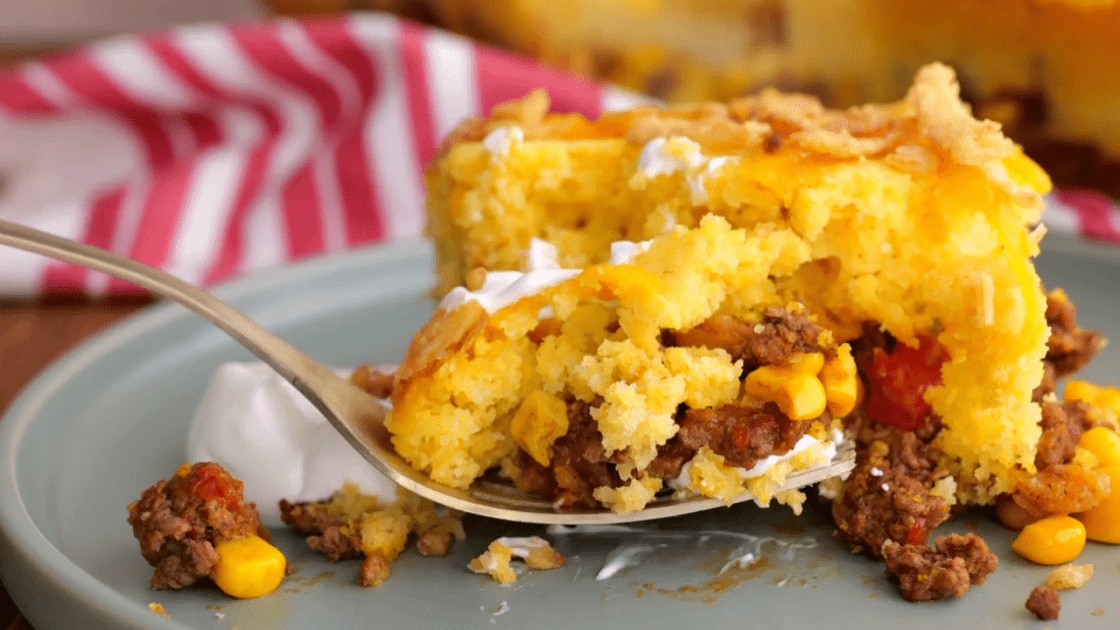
<point>215,150</point>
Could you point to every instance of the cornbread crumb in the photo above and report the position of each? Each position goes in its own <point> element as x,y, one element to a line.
<point>946,488</point>
<point>351,523</point>
<point>158,609</point>
<point>1070,576</point>
<point>535,551</point>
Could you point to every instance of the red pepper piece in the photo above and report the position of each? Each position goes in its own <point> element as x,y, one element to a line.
<point>898,381</point>
<point>212,483</point>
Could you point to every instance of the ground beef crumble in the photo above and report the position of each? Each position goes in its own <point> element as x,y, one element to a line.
<point>1069,347</point>
<point>780,334</point>
<point>741,434</point>
<point>373,571</point>
<point>579,463</point>
<point>888,494</point>
<point>326,534</point>
<point>1044,602</point>
<point>180,521</point>
<point>950,568</point>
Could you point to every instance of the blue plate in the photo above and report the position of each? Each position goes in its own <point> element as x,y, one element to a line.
<point>110,418</point>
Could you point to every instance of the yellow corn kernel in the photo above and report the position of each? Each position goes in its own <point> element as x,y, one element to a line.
<point>1102,442</point>
<point>1052,540</point>
<point>248,567</point>
<point>1106,397</point>
<point>540,419</point>
<point>806,363</point>
<point>802,397</point>
<point>764,382</point>
<point>841,382</point>
<point>1102,523</point>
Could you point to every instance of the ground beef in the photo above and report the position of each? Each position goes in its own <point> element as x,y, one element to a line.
<point>887,496</point>
<point>1045,603</point>
<point>375,382</point>
<point>579,463</point>
<point>1059,436</point>
<point>771,341</point>
<point>875,508</point>
<point>741,434</point>
<point>1069,347</point>
<point>373,571</point>
<point>325,532</point>
<point>863,347</point>
<point>670,460</point>
<point>949,569</point>
<point>434,543</point>
<point>180,521</point>
<point>1078,417</point>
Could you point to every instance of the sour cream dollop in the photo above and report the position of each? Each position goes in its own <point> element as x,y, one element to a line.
<point>265,433</point>
<point>502,288</point>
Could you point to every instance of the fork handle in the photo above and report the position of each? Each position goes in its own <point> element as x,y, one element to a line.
<point>339,400</point>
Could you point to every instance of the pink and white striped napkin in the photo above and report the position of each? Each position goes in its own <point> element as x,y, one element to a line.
<point>219,149</point>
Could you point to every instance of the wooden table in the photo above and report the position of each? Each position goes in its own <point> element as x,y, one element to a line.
<point>32,334</point>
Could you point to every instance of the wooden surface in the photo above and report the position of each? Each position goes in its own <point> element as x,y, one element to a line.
<point>32,334</point>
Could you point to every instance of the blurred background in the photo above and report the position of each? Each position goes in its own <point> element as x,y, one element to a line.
<point>1046,69</point>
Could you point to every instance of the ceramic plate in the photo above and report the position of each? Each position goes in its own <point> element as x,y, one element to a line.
<point>110,419</point>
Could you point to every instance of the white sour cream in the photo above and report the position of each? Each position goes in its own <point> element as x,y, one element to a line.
<point>659,158</point>
<point>499,141</point>
<point>265,433</point>
<point>502,288</point>
<point>828,449</point>
<point>656,159</point>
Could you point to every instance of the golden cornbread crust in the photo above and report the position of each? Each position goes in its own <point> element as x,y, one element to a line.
<point>912,215</point>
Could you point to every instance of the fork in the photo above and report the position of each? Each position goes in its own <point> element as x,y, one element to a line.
<point>356,414</point>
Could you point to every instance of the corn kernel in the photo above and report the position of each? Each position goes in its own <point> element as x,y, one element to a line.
<point>806,363</point>
<point>1109,398</point>
<point>764,382</point>
<point>248,567</point>
<point>1080,390</point>
<point>1106,397</point>
<point>1102,523</point>
<point>1052,540</point>
<point>1102,442</point>
<point>841,382</point>
<point>539,421</point>
<point>802,397</point>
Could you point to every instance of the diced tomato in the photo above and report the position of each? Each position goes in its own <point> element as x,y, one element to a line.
<point>212,483</point>
<point>917,534</point>
<point>898,381</point>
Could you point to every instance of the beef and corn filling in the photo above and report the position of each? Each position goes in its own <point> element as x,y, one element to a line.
<point>794,379</point>
<point>600,388</point>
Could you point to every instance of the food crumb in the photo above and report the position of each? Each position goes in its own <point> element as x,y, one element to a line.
<point>534,550</point>
<point>1098,612</point>
<point>1045,603</point>
<point>1069,576</point>
<point>220,615</point>
<point>158,609</point>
